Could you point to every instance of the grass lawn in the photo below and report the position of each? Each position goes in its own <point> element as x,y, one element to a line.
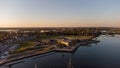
<point>25,45</point>
<point>1,35</point>
<point>79,37</point>
<point>44,37</point>
<point>38,51</point>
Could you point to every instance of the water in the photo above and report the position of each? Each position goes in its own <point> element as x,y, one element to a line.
<point>105,54</point>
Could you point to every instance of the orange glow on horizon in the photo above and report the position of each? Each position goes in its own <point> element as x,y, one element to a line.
<point>67,23</point>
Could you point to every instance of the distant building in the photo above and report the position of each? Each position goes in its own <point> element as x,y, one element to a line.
<point>103,32</point>
<point>65,42</point>
<point>44,31</point>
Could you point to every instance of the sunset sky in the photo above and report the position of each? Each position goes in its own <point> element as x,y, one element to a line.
<point>59,13</point>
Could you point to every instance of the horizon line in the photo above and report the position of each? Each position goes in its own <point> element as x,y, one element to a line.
<point>59,27</point>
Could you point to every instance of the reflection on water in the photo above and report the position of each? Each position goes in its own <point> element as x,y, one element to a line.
<point>98,55</point>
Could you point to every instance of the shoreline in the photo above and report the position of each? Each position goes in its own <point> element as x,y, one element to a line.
<point>54,50</point>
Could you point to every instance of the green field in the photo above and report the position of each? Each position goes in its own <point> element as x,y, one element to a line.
<point>79,37</point>
<point>25,45</point>
<point>1,35</point>
<point>43,37</point>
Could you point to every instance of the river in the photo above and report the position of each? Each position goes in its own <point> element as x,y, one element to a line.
<point>105,54</point>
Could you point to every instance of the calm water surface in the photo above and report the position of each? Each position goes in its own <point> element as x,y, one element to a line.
<point>105,54</point>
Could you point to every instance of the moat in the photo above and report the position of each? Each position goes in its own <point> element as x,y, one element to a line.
<point>104,54</point>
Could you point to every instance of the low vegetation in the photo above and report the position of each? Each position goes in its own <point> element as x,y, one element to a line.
<point>79,37</point>
<point>24,46</point>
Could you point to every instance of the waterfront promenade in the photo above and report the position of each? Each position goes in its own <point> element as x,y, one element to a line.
<point>38,52</point>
